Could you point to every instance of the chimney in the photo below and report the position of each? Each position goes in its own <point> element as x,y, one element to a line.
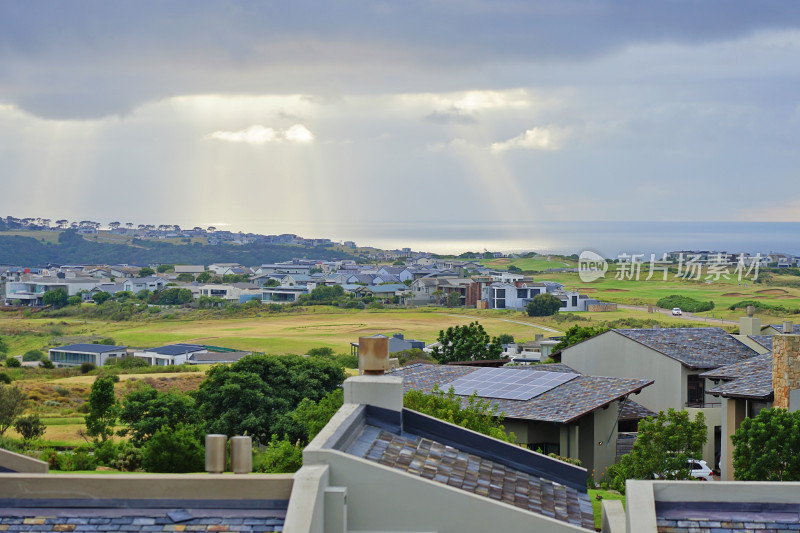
<point>788,327</point>
<point>372,387</point>
<point>786,371</point>
<point>373,355</point>
<point>750,325</point>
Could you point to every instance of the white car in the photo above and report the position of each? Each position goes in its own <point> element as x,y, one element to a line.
<point>676,311</point>
<point>700,470</point>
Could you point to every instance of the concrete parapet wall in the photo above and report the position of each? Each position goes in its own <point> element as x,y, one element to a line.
<point>22,463</point>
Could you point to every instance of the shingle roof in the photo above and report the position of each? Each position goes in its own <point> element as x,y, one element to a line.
<point>631,410</point>
<point>763,340</point>
<point>750,379</point>
<point>694,347</point>
<point>727,517</point>
<point>89,348</point>
<point>66,517</point>
<point>478,475</point>
<point>563,404</point>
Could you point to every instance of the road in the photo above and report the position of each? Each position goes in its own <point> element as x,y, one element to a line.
<point>686,315</point>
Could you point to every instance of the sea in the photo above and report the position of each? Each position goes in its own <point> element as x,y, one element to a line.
<point>609,239</point>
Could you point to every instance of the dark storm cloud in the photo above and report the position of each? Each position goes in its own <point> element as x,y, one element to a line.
<point>96,58</point>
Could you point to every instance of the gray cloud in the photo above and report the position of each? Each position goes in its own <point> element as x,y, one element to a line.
<point>98,58</point>
<point>451,116</point>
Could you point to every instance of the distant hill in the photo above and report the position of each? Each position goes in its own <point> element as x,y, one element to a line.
<point>74,249</point>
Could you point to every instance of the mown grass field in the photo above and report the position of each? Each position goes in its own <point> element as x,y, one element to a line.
<point>275,333</point>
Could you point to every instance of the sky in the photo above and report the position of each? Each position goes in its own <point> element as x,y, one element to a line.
<point>432,124</point>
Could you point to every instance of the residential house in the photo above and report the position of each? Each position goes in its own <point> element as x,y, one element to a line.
<point>124,271</point>
<point>552,407</point>
<point>220,269</point>
<point>30,290</point>
<point>77,354</point>
<point>173,354</point>
<point>384,293</point>
<point>234,292</point>
<point>282,294</point>
<point>674,357</point>
<point>149,283</point>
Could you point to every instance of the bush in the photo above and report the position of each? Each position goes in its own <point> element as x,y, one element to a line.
<point>685,303</point>
<point>280,457</point>
<point>33,355</point>
<point>127,362</point>
<point>321,352</point>
<point>174,450</point>
<point>80,459</point>
<point>353,304</point>
<point>46,363</point>
<point>375,305</point>
<point>543,305</point>
<point>129,458</point>
<point>29,427</point>
<point>106,453</point>
<point>346,360</point>
<point>5,378</point>
<point>769,308</point>
<point>13,362</point>
<point>87,367</point>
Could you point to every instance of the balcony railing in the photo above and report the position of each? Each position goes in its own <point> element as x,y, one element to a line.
<point>701,404</point>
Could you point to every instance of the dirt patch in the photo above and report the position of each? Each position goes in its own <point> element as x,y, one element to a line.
<point>773,292</point>
<point>586,290</point>
<point>785,297</point>
<point>734,294</point>
<point>616,290</point>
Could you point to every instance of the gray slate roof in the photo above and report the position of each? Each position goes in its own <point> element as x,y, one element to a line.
<point>176,349</point>
<point>89,348</point>
<point>479,475</point>
<point>694,347</point>
<point>727,517</point>
<point>763,340</point>
<point>635,411</point>
<point>748,379</point>
<point>779,327</point>
<point>563,404</point>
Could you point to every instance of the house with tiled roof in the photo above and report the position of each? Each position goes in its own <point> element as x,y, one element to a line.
<point>577,418</point>
<point>674,358</point>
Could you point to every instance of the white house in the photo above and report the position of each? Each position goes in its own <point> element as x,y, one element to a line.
<point>77,354</point>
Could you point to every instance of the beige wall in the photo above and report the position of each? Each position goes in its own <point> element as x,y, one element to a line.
<point>612,354</point>
<point>734,410</point>
<point>713,418</point>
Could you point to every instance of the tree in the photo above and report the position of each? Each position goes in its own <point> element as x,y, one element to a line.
<point>203,277</point>
<point>146,411</point>
<point>466,343</point>
<point>505,338</point>
<point>514,269</point>
<point>74,300</point>
<point>33,355</point>
<point>173,296</point>
<point>453,299</point>
<point>664,445</point>
<point>185,277</point>
<point>437,295</point>
<point>12,401</point>
<point>165,268</point>
<point>272,283</point>
<point>146,271</point>
<point>101,296</point>
<point>56,297</point>
<point>29,427</point>
<point>13,362</point>
<point>543,305</point>
<point>576,334</point>
<point>253,395</point>
<point>767,447</point>
<point>103,410</point>
<point>174,450</point>
<point>478,414</point>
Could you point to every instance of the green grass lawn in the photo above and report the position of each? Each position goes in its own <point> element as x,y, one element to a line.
<point>597,504</point>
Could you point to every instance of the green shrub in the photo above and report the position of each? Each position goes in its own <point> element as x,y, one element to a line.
<point>543,305</point>
<point>280,457</point>
<point>5,378</point>
<point>106,453</point>
<point>375,305</point>
<point>50,456</point>
<point>174,450</point>
<point>46,363</point>
<point>129,458</point>
<point>769,308</point>
<point>13,362</point>
<point>346,360</point>
<point>87,367</point>
<point>29,427</point>
<point>79,459</point>
<point>32,355</point>
<point>685,303</point>
<point>321,352</point>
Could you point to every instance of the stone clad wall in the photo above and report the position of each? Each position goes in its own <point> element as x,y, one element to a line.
<point>601,308</point>
<point>785,368</point>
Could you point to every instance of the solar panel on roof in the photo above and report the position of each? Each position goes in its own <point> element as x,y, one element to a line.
<point>508,383</point>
